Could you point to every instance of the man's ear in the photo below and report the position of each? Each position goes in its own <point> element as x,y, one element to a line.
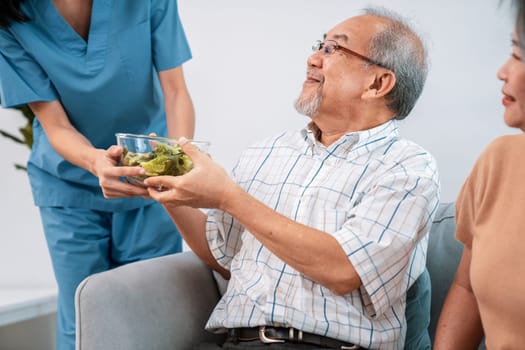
<point>383,82</point>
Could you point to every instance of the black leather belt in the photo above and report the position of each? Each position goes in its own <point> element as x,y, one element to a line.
<point>268,335</point>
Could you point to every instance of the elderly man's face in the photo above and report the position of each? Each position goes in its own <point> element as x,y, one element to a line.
<point>335,81</point>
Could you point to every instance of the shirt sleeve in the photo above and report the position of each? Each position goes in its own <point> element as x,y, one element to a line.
<point>387,234</point>
<point>169,44</point>
<point>224,234</point>
<point>22,80</point>
<point>465,213</point>
<point>483,190</point>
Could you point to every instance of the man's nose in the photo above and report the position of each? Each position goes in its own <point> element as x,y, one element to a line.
<point>315,59</point>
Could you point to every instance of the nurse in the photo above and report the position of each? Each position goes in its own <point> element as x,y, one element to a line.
<point>89,69</point>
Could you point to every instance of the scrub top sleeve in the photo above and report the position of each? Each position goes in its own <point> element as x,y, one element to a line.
<point>169,44</point>
<point>22,80</point>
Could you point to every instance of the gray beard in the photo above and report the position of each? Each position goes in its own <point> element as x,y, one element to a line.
<point>309,105</point>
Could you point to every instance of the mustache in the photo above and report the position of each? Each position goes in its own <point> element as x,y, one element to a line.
<point>313,75</point>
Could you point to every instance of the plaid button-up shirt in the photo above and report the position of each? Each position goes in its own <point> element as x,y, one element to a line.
<point>375,192</point>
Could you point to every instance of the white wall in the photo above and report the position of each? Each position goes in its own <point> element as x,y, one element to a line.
<point>250,62</point>
<point>248,68</point>
<point>24,260</point>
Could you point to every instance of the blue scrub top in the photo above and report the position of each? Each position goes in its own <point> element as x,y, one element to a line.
<point>108,84</point>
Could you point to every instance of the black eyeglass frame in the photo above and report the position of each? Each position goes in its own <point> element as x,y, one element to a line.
<point>319,44</point>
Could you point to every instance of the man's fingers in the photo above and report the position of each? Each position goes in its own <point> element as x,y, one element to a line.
<point>189,148</point>
<point>159,183</point>
<point>163,194</point>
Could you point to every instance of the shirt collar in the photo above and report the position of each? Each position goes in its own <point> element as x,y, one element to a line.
<point>351,141</point>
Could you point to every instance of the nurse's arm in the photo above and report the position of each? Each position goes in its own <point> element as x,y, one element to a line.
<point>180,115</point>
<point>75,148</point>
<point>459,325</point>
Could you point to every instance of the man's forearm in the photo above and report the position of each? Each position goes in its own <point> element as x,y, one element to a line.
<point>314,253</point>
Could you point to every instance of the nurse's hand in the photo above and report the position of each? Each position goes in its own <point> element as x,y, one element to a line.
<point>206,185</point>
<point>109,175</point>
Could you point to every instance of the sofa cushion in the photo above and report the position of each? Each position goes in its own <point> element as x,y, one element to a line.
<point>444,253</point>
<point>418,314</point>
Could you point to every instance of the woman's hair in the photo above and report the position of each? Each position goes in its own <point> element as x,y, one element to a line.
<point>520,20</point>
<point>10,11</point>
<point>399,48</point>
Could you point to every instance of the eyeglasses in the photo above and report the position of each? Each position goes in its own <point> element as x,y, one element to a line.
<point>329,46</point>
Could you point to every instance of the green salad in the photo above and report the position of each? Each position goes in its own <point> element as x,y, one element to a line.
<point>162,160</point>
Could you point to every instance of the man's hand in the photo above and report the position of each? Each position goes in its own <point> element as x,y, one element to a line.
<point>106,168</point>
<point>204,186</point>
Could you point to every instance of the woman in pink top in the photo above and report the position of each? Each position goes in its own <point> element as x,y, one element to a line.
<point>487,297</point>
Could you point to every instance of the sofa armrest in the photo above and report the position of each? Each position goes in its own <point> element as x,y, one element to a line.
<point>161,303</point>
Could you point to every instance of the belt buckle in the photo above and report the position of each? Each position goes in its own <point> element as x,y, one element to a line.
<point>263,338</point>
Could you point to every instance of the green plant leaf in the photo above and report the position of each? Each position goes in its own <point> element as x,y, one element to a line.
<point>11,136</point>
<point>26,131</point>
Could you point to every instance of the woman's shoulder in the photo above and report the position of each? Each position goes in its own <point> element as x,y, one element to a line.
<point>506,144</point>
<point>502,154</point>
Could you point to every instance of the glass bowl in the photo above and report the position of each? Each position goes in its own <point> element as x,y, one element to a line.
<point>157,155</point>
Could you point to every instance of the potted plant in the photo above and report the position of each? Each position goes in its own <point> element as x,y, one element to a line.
<point>26,131</point>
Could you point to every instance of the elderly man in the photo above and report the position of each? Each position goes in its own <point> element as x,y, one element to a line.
<point>323,230</point>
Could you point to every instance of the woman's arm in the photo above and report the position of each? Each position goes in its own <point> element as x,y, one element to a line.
<point>76,149</point>
<point>180,115</point>
<point>459,325</point>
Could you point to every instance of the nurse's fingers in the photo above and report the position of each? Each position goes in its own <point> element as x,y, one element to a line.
<point>122,171</point>
<point>114,153</point>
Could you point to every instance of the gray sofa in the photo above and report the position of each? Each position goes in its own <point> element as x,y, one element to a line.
<point>163,303</point>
